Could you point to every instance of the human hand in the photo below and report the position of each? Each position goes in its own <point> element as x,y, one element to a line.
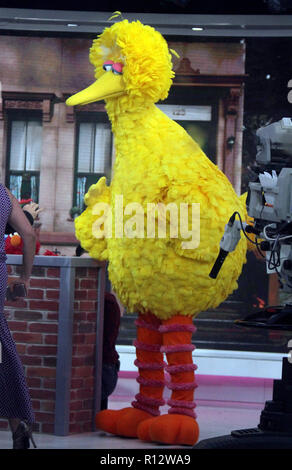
<point>33,208</point>
<point>13,288</point>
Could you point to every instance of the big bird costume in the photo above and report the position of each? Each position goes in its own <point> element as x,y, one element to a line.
<point>168,285</point>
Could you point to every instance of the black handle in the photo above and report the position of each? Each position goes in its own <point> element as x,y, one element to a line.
<point>218,263</point>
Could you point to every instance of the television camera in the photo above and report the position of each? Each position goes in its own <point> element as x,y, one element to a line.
<point>269,203</point>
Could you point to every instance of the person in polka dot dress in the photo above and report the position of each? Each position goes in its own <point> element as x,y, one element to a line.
<point>15,402</point>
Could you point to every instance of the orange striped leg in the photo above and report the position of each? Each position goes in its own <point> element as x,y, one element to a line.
<point>179,426</point>
<point>177,336</point>
<point>150,363</point>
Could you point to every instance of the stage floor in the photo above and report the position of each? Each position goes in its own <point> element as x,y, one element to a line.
<point>214,420</point>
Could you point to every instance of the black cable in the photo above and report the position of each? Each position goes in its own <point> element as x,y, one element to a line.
<point>272,263</point>
<point>258,249</point>
<point>243,229</point>
<point>272,235</point>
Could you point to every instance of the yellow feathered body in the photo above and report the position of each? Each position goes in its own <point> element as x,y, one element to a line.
<point>158,162</point>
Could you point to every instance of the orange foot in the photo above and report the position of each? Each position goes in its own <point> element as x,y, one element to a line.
<point>122,422</point>
<point>170,429</point>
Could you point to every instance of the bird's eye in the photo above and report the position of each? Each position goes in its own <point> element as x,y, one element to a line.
<point>107,66</point>
<point>117,68</point>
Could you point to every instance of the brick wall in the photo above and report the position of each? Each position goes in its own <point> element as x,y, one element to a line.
<point>33,322</point>
<point>214,58</point>
<point>84,327</point>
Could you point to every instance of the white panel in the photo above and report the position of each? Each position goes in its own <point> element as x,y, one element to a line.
<point>26,145</point>
<point>186,113</point>
<point>94,147</point>
<point>102,147</point>
<point>226,363</point>
<point>85,146</point>
<point>33,146</point>
<point>17,145</point>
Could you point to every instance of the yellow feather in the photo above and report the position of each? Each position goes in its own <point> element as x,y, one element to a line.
<point>174,53</point>
<point>115,15</point>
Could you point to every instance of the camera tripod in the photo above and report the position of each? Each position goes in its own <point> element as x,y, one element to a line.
<point>274,430</point>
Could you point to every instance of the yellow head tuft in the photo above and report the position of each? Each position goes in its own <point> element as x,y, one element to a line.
<point>147,71</point>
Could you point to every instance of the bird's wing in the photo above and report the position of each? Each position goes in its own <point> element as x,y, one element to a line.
<point>89,226</point>
<point>197,182</point>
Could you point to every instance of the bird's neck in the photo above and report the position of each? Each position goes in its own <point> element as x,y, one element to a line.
<point>125,119</point>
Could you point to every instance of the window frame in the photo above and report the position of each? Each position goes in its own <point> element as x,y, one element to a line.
<point>90,117</point>
<point>20,115</point>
